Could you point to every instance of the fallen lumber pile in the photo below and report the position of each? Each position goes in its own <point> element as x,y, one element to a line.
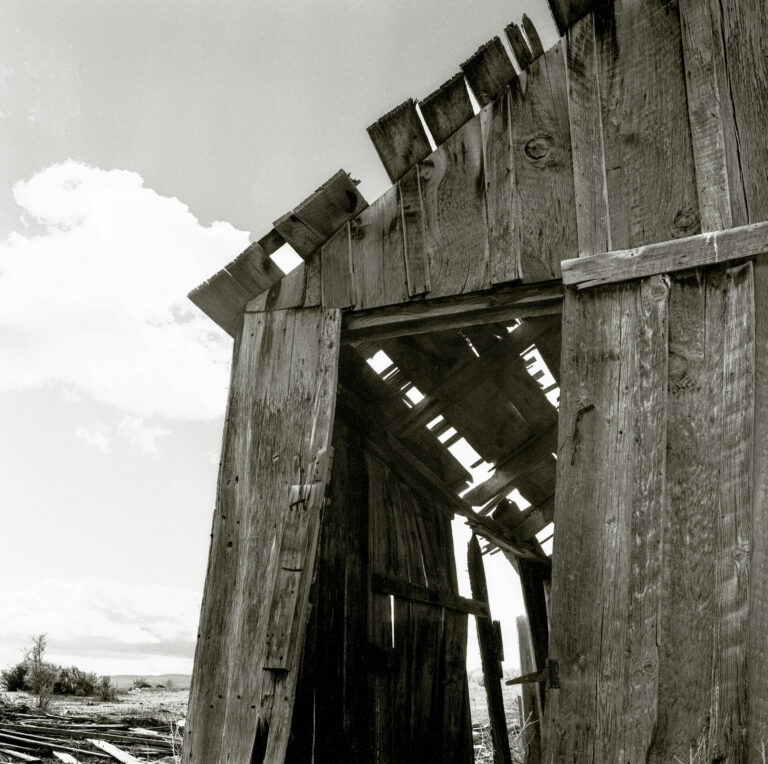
<point>32,735</point>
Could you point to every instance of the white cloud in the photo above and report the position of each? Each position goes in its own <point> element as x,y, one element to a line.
<point>103,626</point>
<point>94,438</point>
<point>96,300</point>
<point>145,436</point>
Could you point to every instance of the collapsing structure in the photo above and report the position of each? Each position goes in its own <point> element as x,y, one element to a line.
<point>603,211</point>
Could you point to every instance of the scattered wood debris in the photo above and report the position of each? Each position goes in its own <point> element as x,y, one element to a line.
<point>33,735</point>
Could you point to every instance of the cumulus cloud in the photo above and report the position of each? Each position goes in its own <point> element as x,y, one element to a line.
<point>145,436</point>
<point>94,438</point>
<point>103,626</point>
<point>93,295</point>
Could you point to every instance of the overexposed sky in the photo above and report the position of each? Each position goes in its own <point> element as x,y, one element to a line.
<point>144,144</point>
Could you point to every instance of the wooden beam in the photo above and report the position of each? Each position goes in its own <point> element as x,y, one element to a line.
<point>503,303</point>
<point>532,712</point>
<point>400,140</point>
<point>667,257</point>
<point>492,671</point>
<point>534,41</point>
<point>406,590</point>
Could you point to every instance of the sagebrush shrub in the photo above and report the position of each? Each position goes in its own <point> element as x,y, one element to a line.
<point>14,678</point>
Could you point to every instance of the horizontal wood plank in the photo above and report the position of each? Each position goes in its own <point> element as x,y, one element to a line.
<point>667,257</point>
<point>406,590</point>
<point>503,303</point>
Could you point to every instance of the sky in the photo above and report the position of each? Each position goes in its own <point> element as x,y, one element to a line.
<point>144,145</point>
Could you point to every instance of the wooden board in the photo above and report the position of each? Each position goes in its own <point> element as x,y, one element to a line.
<point>336,275</point>
<point>488,71</point>
<point>279,417</point>
<point>650,181</point>
<point>567,12</point>
<point>400,140</point>
<point>544,200</point>
<point>377,253</point>
<point>447,109</point>
<point>416,255</point>
<point>452,188</point>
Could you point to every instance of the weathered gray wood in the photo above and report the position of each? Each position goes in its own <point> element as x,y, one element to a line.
<point>500,304</point>
<point>489,658</point>
<point>410,591</point>
<point>544,202</point>
<point>534,41</point>
<point>667,257</point>
<point>254,269</point>
<point>651,188</point>
<point>605,585</point>
<point>519,45</point>
<point>500,190</point>
<point>222,299</point>
<point>336,274</point>
<point>452,188</point>
<point>447,109</point>
<point>377,253</point>
<point>400,140</point>
<point>567,12</point>
<point>279,417</point>
<point>531,705</point>
<point>416,256</point>
<point>488,71</point>
<point>302,238</point>
<point>584,99</point>
<point>332,205</point>
<point>289,292</point>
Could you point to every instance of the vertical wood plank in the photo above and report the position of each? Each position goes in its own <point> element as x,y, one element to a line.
<point>584,106</point>
<point>377,253</point>
<point>531,717</point>
<point>501,206</point>
<point>648,156</point>
<point>543,167</point>
<point>744,30</point>
<point>416,257</point>
<point>489,657</point>
<point>336,274</point>
<point>452,186</point>
<point>537,49</point>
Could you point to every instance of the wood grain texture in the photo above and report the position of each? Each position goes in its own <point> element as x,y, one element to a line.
<point>502,303</point>
<point>416,255</point>
<point>667,257</point>
<point>519,46</point>
<point>488,71</point>
<point>489,658</point>
<point>447,109</point>
<point>534,41</point>
<point>610,487</point>
<point>289,292</point>
<point>504,242</point>
<point>531,705</point>
<point>254,269</point>
<point>584,102</point>
<point>567,12</point>
<point>302,238</point>
<point>336,275</point>
<point>452,187</point>
<point>377,253</point>
<point>648,156</point>
<point>333,204</point>
<point>222,299</point>
<point>543,171</point>
<point>400,140</point>
<point>713,129</point>
<point>284,376</point>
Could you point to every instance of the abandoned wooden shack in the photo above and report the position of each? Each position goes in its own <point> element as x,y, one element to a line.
<point>605,208</point>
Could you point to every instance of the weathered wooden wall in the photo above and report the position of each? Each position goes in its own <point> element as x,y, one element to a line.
<point>659,576</point>
<point>374,689</point>
<point>263,541</point>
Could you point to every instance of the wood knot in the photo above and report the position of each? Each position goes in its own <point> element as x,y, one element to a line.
<point>539,146</point>
<point>686,223</point>
<point>678,366</point>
